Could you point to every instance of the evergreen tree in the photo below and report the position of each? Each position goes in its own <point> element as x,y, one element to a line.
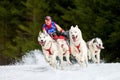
<point>21,21</point>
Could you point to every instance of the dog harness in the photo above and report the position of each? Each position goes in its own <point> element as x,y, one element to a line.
<point>62,37</point>
<point>78,46</point>
<point>49,49</point>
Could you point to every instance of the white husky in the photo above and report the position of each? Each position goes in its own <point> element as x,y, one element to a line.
<point>64,48</point>
<point>50,49</point>
<point>94,47</point>
<point>78,46</point>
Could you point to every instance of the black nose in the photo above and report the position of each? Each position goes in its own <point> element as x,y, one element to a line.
<point>41,40</point>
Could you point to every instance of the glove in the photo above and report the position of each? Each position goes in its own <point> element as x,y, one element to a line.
<point>65,33</point>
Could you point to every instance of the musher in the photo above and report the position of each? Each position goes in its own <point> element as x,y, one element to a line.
<point>52,28</point>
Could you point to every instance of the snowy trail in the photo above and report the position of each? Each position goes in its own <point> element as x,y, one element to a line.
<point>35,68</point>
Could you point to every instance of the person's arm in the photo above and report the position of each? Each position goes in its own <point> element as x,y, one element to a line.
<point>63,33</point>
<point>59,28</point>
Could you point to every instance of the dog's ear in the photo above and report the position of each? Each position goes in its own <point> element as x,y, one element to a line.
<point>76,26</point>
<point>40,32</point>
<point>46,34</point>
<point>72,27</point>
<point>94,40</point>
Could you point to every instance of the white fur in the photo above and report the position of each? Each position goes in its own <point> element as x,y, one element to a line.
<point>48,43</point>
<point>80,53</point>
<point>65,49</point>
<point>94,48</point>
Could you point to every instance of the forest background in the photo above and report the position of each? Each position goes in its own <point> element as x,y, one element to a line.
<point>21,21</point>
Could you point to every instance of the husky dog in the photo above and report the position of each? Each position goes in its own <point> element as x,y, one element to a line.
<point>78,46</point>
<point>50,49</point>
<point>63,45</point>
<point>94,47</point>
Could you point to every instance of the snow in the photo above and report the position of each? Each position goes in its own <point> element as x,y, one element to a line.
<point>34,67</point>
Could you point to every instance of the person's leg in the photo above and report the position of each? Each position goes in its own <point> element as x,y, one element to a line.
<point>54,36</point>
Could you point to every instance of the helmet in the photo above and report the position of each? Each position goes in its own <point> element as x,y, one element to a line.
<point>47,18</point>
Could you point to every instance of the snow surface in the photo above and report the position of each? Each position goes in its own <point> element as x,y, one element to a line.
<point>34,67</point>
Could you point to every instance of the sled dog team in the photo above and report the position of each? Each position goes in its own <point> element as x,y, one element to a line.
<point>77,48</point>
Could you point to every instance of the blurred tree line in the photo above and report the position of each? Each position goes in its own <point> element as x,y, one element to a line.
<point>21,21</point>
